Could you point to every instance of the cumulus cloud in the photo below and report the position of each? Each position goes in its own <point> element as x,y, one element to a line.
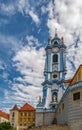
<point>34,16</point>
<point>7,9</point>
<point>9,42</point>
<point>25,8</point>
<point>29,61</point>
<point>67,18</point>
<point>21,94</point>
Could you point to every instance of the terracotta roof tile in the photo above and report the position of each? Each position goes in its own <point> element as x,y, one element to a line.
<point>15,108</point>
<point>3,114</point>
<point>27,107</point>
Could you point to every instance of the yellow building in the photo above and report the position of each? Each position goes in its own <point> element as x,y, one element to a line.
<point>77,76</point>
<point>26,116</point>
<point>23,117</point>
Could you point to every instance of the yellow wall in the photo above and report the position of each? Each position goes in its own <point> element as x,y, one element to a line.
<point>78,75</point>
<point>26,118</point>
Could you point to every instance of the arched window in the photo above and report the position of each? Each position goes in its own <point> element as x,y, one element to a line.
<point>54,97</point>
<point>55,58</point>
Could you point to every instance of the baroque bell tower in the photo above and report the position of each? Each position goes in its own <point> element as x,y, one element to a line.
<point>54,73</point>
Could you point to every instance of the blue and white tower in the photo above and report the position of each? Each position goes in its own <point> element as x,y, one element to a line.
<point>54,72</point>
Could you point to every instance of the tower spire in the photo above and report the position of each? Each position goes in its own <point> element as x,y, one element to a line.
<point>56,32</point>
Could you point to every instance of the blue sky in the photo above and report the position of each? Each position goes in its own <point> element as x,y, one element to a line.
<point>25,26</point>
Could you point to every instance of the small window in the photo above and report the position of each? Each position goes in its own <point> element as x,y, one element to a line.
<point>62,106</point>
<point>25,114</point>
<point>29,113</point>
<point>33,119</point>
<point>21,114</point>
<point>76,96</point>
<point>12,124</point>
<point>13,114</point>
<point>12,118</point>
<point>24,119</point>
<point>20,119</point>
<point>55,58</point>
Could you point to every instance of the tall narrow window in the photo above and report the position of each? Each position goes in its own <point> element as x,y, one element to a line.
<point>13,114</point>
<point>54,97</point>
<point>55,58</point>
<point>62,106</point>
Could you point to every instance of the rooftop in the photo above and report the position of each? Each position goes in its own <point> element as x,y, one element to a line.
<point>3,114</point>
<point>27,107</point>
<point>15,107</point>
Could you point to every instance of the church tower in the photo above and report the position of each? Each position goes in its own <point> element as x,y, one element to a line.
<point>54,73</point>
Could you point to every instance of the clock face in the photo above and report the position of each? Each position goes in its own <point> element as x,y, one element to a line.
<point>54,76</point>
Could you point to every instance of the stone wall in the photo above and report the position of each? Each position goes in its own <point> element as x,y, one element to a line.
<point>75,125</point>
<point>51,127</point>
<point>45,118</point>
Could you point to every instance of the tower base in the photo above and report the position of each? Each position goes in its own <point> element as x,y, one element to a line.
<point>46,117</point>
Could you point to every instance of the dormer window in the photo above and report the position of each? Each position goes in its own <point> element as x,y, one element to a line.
<point>55,58</point>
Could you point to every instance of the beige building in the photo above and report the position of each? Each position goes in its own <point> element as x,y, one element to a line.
<point>4,117</point>
<point>22,118</point>
<point>14,116</point>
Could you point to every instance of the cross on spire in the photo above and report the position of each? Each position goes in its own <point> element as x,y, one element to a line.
<point>56,32</point>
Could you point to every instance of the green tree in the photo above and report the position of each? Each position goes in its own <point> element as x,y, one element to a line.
<point>6,126</point>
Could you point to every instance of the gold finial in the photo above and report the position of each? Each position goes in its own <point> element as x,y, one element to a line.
<point>49,40</point>
<point>56,32</point>
<point>39,99</point>
<point>62,39</point>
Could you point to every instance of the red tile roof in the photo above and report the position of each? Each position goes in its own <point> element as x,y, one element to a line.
<point>15,108</point>
<point>3,114</point>
<point>27,107</point>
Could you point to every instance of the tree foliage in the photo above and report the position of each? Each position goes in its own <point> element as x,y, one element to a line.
<point>6,126</point>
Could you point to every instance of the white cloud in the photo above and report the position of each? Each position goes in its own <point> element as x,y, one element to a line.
<point>8,9</point>
<point>22,6</point>
<point>26,9</point>
<point>66,16</point>
<point>34,16</point>
<point>32,41</point>
<point>29,61</point>
<point>21,94</point>
<point>49,8</point>
<point>9,42</point>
